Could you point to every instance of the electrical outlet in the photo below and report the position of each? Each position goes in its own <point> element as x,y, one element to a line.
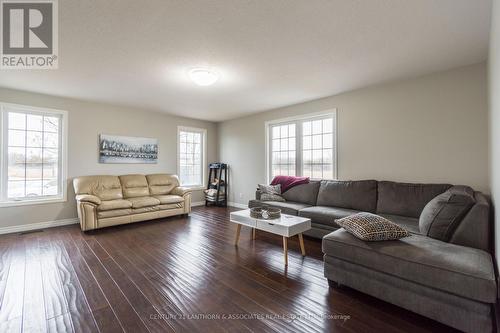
<point>241,195</point>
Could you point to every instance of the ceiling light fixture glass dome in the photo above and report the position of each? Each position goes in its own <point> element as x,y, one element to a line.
<point>203,76</point>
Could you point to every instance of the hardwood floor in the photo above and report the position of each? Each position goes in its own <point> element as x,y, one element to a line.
<point>180,275</point>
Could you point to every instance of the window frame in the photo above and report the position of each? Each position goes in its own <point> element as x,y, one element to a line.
<point>298,120</point>
<point>63,155</point>
<point>203,132</point>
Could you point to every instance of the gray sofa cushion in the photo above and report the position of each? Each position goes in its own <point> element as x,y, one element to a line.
<point>304,193</point>
<point>290,208</point>
<point>326,215</point>
<point>320,230</point>
<point>359,194</point>
<point>442,215</point>
<point>474,230</point>
<point>270,192</point>
<point>408,223</point>
<point>462,313</point>
<point>463,271</point>
<point>406,199</point>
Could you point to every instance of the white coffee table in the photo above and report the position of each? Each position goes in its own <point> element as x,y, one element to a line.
<point>286,226</point>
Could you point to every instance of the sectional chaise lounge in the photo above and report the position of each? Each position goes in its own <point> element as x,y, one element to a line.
<point>450,281</point>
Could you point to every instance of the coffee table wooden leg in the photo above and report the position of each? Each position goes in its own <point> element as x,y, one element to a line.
<point>301,242</point>
<point>253,233</point>
<point>285,249</point>
<point>238,229</point>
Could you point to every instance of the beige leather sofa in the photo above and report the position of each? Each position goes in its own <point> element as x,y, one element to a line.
<point>103,201</point>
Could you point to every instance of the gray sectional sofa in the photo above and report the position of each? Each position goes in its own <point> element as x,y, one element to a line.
<point>451,281</point>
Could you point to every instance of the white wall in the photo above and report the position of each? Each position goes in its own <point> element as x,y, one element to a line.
<point>88,120</point>
<point>427,129</point>
<point>494,94</point>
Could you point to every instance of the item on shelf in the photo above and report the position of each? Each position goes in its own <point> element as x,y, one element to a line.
<point>211,195</point>
<point>265,213</point>
<point>215,183</point>
<point>216,192</point>
<point>213,192</point>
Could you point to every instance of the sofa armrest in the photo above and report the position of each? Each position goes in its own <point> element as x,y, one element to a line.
<point>87,214</point>
<point>182,191</point>
<point>88,198</point>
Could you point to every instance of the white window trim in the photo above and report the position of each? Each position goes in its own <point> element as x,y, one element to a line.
<point>203,131</point>
<point>63,161</point>
<point>322,114</point>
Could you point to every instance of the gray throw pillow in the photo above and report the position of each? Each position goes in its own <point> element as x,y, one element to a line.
<point>271,197</point>
<point>371,227</point>
<point>270,192</point>
<point>442,215</point>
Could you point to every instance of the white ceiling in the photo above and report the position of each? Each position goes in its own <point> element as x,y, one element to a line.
<point>270,53</point>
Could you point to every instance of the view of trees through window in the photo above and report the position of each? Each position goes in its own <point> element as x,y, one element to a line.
<point>33,146</point>
<point>303,147</point>
<point>191,157</point>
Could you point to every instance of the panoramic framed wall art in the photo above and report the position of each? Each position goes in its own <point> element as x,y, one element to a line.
<point>127,149</point>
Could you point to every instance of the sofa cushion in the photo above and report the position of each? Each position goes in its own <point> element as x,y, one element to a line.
<point>326,215</point>
<point>406,199</point>
<point>168,199</point>
<point>103,187</point>
<point>114,213</point>
<point>171,206</point>
<point>134,186</point>
<point>304,193</point>
<point>357,194</point>
<point>113,204</point>
<point>475,228</point>
<point>442,215</point>
<point>465,314</point>
<point>372,227</point>
<point>161,184</point>
<point>143,210</point>
<point>141,202</point>
<point>408,223</point>
<point>290,208</point>
<point>460,270</point>
<point>319,231</point>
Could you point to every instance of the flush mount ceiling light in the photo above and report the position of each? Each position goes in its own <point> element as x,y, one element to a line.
<point>203,76</point>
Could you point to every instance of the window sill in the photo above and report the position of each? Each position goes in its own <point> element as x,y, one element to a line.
<point>5,204</point>
<point>194,187</point>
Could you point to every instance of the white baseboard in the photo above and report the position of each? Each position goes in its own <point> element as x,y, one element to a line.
<point>36,226</point>
<point>237,205</point>
<point>58,223</point>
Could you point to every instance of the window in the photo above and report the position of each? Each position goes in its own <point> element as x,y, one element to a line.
<point>317,148</point>
<point>284,150</point>
<point>33,155</point>
<point>191,159</point>
<point>303,146</point>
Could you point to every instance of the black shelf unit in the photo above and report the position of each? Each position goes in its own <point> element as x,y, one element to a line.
<point>217,171</point>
